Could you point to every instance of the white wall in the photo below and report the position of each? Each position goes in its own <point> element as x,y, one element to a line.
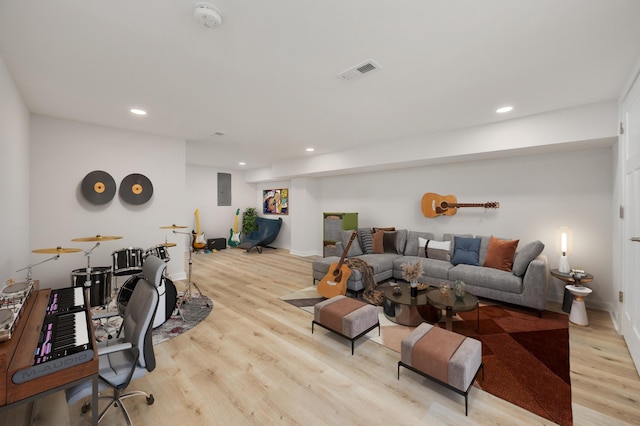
<point>14,179</point>
<point>63,152</point>
<point>202,193</point>
<point>537,194</point>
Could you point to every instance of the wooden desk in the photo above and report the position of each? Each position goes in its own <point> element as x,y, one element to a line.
<point>17,354</point>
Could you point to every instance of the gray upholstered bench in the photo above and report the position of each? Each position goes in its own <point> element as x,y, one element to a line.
<point>346,317</point>
<point>443,356</point>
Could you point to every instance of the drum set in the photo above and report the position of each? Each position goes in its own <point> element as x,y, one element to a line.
<point>125,262</point>
<point>98,280</point>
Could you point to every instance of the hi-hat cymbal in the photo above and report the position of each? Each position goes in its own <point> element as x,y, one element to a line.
<point>168,244</point>
<point>57,250</point>
<point>173,227</point>
<point>97,238</point>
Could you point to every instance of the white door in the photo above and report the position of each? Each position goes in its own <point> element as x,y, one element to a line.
<point>631,225</point>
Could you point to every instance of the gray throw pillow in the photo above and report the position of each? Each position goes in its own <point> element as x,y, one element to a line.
<point>525,255</point>
<point>355,249</point>
<point>366,240</point>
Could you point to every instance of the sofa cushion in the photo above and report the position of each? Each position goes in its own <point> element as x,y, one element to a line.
<point>500,254</point>
<point>432,268</point>
<point>412,246</point>
<point>450,237</point>
<point>355,249</point>
<point>525,255</point>
<point>494,279</point>
<point>380,262</point>
<point>401,241</point>
<point>366,240</point>
<point>466,251</point>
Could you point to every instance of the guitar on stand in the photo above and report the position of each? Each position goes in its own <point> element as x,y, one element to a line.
<point>198,242</point>
<point>335,282</point>
<point>447,205</point>
<point>234,235</point>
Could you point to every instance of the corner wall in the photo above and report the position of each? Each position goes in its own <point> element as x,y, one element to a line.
<point>14,179</point>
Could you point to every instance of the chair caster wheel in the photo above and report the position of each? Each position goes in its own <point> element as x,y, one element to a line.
<point>150,399</point>
<point>85,407</point>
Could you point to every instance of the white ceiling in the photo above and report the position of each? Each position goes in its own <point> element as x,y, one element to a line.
<point>267,76</point>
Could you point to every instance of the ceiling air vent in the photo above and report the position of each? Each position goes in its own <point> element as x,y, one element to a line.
<point>359,70</point>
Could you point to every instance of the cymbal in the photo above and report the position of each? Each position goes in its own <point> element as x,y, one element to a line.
<point>97,238</point>
<point>173,227</point>
<point>57,250</point>
<point>168,244</point>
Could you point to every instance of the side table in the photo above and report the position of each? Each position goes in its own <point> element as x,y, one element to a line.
<point>567,300</point>
<point>578,314</point>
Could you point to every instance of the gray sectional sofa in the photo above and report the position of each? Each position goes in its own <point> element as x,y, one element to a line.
<point>525,284</point>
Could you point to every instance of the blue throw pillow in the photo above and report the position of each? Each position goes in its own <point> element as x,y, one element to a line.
<point>466,250</point>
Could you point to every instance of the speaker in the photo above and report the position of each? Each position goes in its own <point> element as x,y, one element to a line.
<point>216,244</point>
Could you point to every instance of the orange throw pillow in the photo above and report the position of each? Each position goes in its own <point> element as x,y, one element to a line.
<point>500,254</point>
<point>378,242</point>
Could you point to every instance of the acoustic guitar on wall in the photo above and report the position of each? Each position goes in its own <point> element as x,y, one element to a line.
<point>335,282</point>
<point>447,205</point>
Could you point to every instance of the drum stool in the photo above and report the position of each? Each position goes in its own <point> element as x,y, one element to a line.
<point>347,317</point>
<point>443,356</point>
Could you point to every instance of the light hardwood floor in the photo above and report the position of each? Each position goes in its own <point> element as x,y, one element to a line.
<point>255,361</point>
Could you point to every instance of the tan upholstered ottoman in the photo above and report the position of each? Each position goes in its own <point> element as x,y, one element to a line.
<point>443,356</point>
<point>347,317</point>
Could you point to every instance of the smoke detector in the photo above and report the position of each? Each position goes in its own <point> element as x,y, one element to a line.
<point>207,15</point>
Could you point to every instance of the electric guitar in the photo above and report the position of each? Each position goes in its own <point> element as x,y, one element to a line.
<point>234,235</point>
<point>335,282</point>
<point>198,238</point>
<point>438,205</point>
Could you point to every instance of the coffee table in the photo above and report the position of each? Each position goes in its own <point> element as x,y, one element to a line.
<point>452,305</point>
<point>406,310</point>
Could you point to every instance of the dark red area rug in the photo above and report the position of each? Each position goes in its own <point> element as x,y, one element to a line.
<point>526,358</point>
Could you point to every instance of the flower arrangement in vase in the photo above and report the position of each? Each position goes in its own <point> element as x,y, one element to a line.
<point>411,272</point>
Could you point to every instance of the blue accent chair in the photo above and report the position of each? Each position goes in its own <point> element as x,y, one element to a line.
<point>267,232</point>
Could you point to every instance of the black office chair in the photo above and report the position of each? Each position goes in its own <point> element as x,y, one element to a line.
<point>130,357</point>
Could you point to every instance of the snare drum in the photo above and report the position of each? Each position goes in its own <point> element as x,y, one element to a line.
<point>160,251</point>
<point>127,261</point>
<point>100,290</point>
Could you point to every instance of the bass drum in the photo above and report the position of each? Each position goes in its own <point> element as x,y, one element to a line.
<point>166,302</point>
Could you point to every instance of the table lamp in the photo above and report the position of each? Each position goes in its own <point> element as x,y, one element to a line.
<point>564,241</point>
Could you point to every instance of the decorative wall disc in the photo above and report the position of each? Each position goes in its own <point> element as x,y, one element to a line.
<point>136,189</point>
<point>98,187</point>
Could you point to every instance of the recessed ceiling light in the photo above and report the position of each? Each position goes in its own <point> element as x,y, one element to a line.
<point>242,163</point>
<point>137,111</point>
<point>309,150</point>
<point>504,109</point>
